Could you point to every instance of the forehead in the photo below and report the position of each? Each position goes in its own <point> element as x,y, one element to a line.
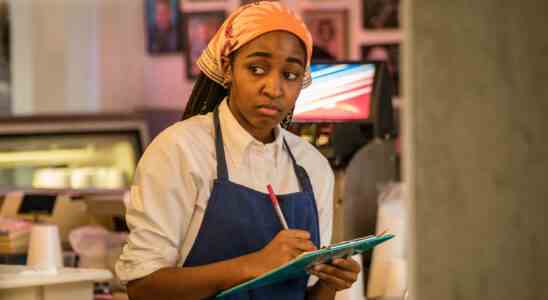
<point>278,43</point>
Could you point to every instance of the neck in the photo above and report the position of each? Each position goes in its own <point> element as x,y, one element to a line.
<point>265,138</point>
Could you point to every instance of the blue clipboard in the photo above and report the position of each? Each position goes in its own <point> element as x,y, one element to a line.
<point>298,267</point>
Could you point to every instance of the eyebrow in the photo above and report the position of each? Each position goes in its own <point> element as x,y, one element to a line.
<point>269,55</point>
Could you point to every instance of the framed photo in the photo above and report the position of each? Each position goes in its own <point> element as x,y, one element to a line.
<point>389,53</point>
<point>381,14</point>
<point>329,29</point>
<point>5,69</point>
<point>244,2</point>
<point>162,25</point>
<point>200,27</point>
<point>4,32</point>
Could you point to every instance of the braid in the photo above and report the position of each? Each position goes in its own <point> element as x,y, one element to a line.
<point>206,95</point>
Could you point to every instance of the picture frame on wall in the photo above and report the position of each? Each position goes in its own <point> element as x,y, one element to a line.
<point>244,2</point>
<point>199,28</point>
<point>163,19</point>
<point>329,29</point>
<point>5,57</point>
<point>381,14</point>
<point>386,52</point>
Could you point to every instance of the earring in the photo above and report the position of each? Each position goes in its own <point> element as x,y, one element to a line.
<point>203,109</point>
<point>287,120</point>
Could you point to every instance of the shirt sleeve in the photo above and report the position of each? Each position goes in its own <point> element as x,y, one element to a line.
<point>159,210</point>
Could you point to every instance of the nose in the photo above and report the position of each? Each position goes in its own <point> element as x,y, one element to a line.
<point>273,86</point>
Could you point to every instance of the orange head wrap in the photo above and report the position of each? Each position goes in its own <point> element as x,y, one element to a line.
<point>244,25</point>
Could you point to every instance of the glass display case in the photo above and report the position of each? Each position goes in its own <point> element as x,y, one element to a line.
<point>70,152</point>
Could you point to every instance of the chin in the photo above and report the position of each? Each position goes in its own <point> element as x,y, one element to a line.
<point>266,123</point>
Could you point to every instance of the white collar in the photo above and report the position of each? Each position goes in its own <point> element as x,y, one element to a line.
<point>238,140</point>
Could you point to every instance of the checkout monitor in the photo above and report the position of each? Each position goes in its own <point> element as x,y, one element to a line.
<point>346,106</point>
<point>341,92</point>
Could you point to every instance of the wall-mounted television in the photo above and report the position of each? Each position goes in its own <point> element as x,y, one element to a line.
<point>348,91</point>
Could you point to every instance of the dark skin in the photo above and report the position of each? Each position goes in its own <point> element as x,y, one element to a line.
<point>268,75</point>
<point>265,80</point>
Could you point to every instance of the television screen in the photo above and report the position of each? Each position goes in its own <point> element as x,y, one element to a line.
<point>37,203</point>
<point>339,92</point>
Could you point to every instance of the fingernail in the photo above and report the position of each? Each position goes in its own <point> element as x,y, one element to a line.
<point>317,268</point>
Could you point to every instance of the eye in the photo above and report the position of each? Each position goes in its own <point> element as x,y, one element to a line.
<point>257,70</point>
<point>291,76</point>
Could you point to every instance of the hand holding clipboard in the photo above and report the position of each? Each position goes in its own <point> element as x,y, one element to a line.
<point>300,265</point>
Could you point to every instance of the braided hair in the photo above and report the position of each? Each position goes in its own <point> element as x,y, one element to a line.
<point>207,95</point>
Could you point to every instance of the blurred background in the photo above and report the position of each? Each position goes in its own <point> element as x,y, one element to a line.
<point>433,121</point>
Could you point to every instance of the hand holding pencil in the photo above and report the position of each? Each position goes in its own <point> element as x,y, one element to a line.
<point>285,246</point>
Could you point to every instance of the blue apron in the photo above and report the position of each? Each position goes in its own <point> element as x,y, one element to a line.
<point>239,220</point>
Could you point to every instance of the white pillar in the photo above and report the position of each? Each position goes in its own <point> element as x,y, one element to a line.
<point>22,60</point>
<point>475,150</point>
<point>122,56</point>
<point>77,55</point>
<point>82,80</point>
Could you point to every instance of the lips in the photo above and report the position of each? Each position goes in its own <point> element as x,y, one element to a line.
<point>269,110</point>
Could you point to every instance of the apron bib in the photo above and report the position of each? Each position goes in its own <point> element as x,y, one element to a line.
<point>239,220</point>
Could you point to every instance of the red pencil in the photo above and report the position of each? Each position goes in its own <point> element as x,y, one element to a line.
<point>276,205</point>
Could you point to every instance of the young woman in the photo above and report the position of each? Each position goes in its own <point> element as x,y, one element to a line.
<point>199,213</point>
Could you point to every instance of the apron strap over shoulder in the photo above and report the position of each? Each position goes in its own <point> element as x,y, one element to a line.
<point>300,172</point>
<point>222,172</point>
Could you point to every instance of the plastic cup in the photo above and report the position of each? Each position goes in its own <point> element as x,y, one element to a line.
<point>45,248</point>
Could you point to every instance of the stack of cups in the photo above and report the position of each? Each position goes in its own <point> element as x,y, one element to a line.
<point>45,248</point>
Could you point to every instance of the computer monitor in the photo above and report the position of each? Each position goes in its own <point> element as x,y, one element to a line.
<point>37,204</point>
<point>348,91</point>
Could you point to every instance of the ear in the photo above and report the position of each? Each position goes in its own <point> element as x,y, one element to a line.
<point>226,67</point>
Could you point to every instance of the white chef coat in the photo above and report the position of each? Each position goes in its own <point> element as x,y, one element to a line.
<point>174,179</point>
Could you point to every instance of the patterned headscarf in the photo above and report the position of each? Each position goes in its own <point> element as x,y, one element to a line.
<point>245,24</point>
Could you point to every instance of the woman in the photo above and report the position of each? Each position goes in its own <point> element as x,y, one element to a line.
<point>199,214</point>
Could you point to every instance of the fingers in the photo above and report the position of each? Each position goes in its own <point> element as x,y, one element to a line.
<point>296,233</point>
<point>347,264</point>
<point>286,245</point>
<point>333,281</point>
<point>336,272</point>
<point>293,253</point>
<point>302,245</point>
<point>297,239</point>
<point>341,274</point>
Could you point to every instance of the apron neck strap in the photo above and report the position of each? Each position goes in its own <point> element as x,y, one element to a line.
<point>300,172</point>
<point>222,171</point>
